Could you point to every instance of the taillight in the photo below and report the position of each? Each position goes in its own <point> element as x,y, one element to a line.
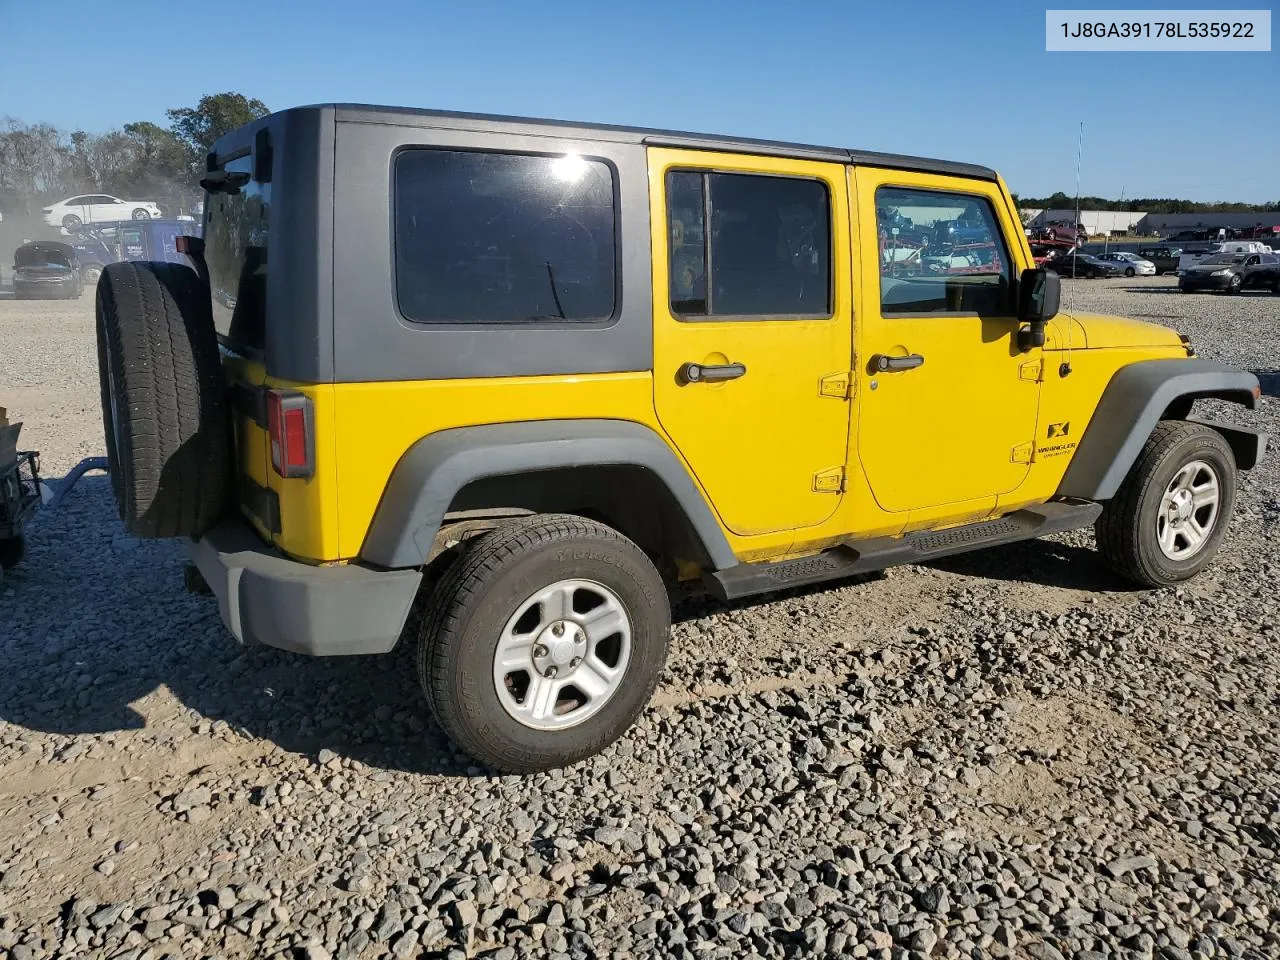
<point>290,424</point>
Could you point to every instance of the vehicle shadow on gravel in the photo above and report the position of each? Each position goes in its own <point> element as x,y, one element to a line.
<point>1269,380</point>
<point>95,625</point>
<point>1047,563</point>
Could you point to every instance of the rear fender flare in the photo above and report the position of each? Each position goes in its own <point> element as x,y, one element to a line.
<point>1134,401</point>
<point>432,471</point>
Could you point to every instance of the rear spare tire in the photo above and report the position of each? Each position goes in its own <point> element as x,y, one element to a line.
<point>163,399</point>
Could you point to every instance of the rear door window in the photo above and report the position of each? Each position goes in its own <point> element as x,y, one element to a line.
<point>501,238</point>
<point>767,253</point>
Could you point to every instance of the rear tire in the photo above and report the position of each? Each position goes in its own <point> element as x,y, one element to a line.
<point>1129,271</point>
<point>480,606</point>
<point>71,221</point>
<point>163,399</point>
<point>141,214</point>
<point>1132,523</point>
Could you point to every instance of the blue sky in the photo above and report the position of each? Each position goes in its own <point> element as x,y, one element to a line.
<point>961,81</point>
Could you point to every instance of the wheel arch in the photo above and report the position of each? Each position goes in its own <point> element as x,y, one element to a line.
<point>1138,397</point>
<point>620,472</point>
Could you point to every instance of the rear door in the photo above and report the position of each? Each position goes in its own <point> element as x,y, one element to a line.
<point>751,311</point>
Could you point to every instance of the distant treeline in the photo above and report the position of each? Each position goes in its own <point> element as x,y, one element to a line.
<point>40,164</point>
<point>1060,201</point>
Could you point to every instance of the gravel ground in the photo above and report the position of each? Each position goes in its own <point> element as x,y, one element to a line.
<point>1008,754</point>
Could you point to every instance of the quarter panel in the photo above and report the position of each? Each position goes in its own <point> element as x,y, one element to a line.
<point>372,341</point>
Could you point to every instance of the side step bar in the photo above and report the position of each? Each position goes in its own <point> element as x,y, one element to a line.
<point>864,556</point>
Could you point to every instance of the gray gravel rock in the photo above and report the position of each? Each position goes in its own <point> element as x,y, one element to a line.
<point>1004,754</point>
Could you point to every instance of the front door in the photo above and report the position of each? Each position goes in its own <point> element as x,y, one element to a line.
<point>751,310</point>
<point>946,401</point>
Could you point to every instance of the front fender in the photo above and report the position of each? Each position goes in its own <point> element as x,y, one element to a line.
<point>433,470</point>
<point>1132,404</point>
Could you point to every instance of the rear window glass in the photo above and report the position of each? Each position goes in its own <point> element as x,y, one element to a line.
<point>495,238</point>
<point>235,237</point>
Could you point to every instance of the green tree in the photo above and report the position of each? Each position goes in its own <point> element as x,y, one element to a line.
<point>218,113</point>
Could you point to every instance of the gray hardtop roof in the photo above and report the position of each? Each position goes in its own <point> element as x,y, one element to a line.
<point>408,116</point>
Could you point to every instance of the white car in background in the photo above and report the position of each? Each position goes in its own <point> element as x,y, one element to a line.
<point>97,208</point>
<point>1133,265</point>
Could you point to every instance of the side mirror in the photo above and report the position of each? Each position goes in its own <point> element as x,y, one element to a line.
<point>1039,294</point>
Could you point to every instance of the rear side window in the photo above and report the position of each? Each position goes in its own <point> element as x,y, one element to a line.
<point>497,238</point>
<point>235,238</point>
<point>767,252</point>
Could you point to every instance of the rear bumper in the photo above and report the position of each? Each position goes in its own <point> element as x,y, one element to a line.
<point>266,598</point>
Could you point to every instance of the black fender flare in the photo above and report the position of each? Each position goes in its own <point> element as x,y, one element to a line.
<point>1134,401</point>
<point>433,470</point>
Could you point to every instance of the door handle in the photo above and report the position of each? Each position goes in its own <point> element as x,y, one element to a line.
<point>883,363</point>
<point>699,372</point>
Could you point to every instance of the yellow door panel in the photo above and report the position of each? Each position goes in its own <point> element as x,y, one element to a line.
<point>762,443</point>
<point>946,401</point>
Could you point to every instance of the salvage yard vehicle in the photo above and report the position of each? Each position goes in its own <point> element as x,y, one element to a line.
<point>531,379</point>
<point>1232,273</point>
<point>97,208</point>
<point>1073,263</point>
<point>46,269</point>
<point>1130,263</point>
<point>100,244</point>
<point>1164,258</point>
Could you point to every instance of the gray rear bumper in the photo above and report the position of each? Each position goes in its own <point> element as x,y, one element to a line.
<point>266,598</point>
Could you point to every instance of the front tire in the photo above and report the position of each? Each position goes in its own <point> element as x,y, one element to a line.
<point>1129,271</point>
<point>1234,284</point>
<point>1169,516</point>
<point>543,642</point>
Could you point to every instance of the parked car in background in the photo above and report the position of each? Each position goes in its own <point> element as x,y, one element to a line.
<point>1164,258</point>
<point>1132,264</point>
<point>1072,263</point>
<point>1263,275</point>
<point>1196,255</point>
<point>97,208</point>
<point>100,244</point>
<point>1063,230</point>
<point>1231,273</point>
<point>46,269</point>
<point>1043,250</point>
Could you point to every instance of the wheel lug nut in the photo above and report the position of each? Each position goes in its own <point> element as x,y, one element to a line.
<point>557,629</point>
<point>575,661</point>
<point>539,651</point>
<point>550,673</point>
<point>579,638</point>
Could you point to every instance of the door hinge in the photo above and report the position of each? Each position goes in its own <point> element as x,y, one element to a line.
<point>1022,452</point>
<point>1032,370</point>
<point>837,385</point>
<point>830,480</point>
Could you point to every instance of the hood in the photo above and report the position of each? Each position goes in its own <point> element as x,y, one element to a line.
<point>1100,331</point>
<point>44,253</point>
<point>1210,267</point>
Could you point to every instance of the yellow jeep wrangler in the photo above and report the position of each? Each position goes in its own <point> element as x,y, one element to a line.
<point>534,376</point>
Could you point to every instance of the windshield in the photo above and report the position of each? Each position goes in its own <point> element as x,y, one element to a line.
<point>1224,258</point>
